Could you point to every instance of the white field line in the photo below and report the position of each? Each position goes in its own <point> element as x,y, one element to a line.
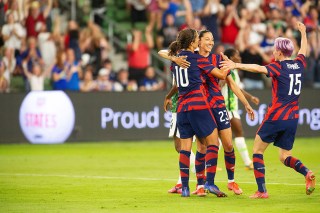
<point>123,178</point>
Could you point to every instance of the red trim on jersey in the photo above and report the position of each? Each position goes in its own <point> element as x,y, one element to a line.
<point>274,70</point>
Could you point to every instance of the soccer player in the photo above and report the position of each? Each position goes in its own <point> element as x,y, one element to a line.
<point>193,114</point>
<point>280,123</point>
<point>216,102</point>
<point>174,133</point>
<point>231,101</point>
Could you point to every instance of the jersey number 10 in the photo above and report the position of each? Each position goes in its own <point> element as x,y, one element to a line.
<point>295,82</point>
<point>182,77</point>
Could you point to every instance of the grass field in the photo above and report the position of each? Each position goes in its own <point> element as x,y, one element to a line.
<point>135,177</point>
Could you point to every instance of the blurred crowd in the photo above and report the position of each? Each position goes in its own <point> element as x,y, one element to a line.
<point>250,26</point>
<point>36,47</point>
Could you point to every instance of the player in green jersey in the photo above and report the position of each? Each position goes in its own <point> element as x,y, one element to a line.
<point>231,101</point>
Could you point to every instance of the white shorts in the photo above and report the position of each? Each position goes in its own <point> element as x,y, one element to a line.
<point>234,114</point>
<point>174,131</point>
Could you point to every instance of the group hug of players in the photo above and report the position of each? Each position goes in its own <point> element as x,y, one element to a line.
<point>201,110</point>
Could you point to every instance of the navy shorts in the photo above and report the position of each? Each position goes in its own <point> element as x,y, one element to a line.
<point>222,118</point>
<point>282,133</point>
<point>196,122</point>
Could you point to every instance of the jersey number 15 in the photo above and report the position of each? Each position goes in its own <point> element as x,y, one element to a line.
<point>295,82</point>
<point>182,77</point>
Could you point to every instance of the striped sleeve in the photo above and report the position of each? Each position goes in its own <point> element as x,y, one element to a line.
<point>274,69</point>
<point>205,65</point>
<point>301,59</point>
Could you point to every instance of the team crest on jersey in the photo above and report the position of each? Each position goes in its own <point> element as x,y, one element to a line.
<point>294,66</point>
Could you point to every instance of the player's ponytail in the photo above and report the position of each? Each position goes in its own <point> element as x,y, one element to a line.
<point>174,48</point>
<point>184,40</point>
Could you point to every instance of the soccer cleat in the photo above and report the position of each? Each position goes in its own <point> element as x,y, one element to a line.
<point>176,189</point>
<point>214,190</point>
<point>233,186</point>
<point>259,195</point>
<point>310,182</point>
<point>199,191</point>
<point>250,166</point>
<point>195,191</point>
<point>185,192</point>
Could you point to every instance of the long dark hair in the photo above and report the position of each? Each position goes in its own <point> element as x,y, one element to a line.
<point>230,52</point>
<point>202,32</point>
<point>184,39</point>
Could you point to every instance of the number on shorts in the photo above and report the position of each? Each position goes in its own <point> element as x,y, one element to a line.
<point>223,115</point>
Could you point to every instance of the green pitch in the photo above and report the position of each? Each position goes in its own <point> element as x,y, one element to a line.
<point>135,177</point>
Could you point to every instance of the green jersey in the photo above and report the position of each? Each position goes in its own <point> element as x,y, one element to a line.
<point>174,100</point>
<point>231,100</point>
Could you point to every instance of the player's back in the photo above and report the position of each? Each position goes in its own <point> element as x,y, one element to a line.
<point>287,77</point>
<point>189,82</point>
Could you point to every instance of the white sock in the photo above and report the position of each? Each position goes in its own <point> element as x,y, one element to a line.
<point>243,150</point>
<point>192,162</point>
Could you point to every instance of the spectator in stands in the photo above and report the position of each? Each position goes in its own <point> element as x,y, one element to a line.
<point>73,71</point>
<point>267,43</point>
<point>230,24</point>
<point>150,81</point>
<point>155,11</point>
<point>9,63</point>
<point>123,83</point>
<point>16,8</point>
<point>197,7</point>
<point>103,81</point>
<point>137,10</point>
<point>210,17</point>
<point>88,84</point>
<point>276,19</point>
<point>98,47</point>
<point>71,39</point>
<point>168,33</point>
<point>3,81</point>
<point>252,55</point>
<point>197,24</point>
<point>36,77</point>
<point>36,18</point>
<point>47,46</point>
<point>139,54</point>
<point>58,72</point>
<point>13,33</point>
<point>184,14</point>
<point>108,65</point>
<point>31,55</point>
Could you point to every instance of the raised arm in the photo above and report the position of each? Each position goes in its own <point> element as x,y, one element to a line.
<point>228,64</point>
<point>48,8</point>
<point>25,70</point>
<point>302,28</point>
<point>234,87</point>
